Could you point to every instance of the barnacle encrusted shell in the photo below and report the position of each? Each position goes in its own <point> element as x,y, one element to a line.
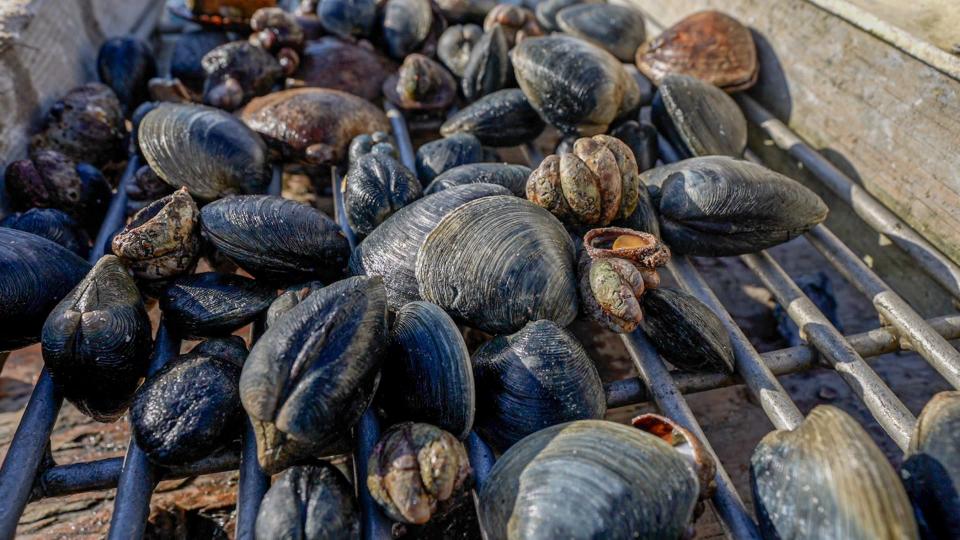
<point>698,118</point>
<point>376,187</point>
<point>311,502</point>
<point>422,83</point>
<point>502,118</point>
<point>86,125</point>
<point>163,239</point>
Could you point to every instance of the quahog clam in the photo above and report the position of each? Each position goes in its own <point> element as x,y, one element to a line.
<point>347,18</point>
<point>502,118</point>
<point>618,29</point>
<point>86,125</point>
<point>699,119</point>
<point>377,185</point>
<point>508,175</point>
<point>126,64</point>
<point>355,68</point>
<point>54,225</point>
<point>455,45</point>
<point>686,332</point>
<point>488,68</point>
<point>213,304</point>
<point>312,502</point>
<point>436,157</point>
<point>406,24</point>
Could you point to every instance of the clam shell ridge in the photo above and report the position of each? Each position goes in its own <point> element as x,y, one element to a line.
<point>828,479</point>
<point>211,303</point>
<point>498,263</point>
<point>311,501</point>
<point>589,479</point>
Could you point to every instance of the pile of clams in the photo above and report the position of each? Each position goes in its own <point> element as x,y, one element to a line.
<point>438,300</point>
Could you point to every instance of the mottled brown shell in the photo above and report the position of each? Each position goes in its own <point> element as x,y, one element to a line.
<point>85,125</point>
<point>518,22</point>
<point>163,239</point>
<point>357,69</point>
<point>240,9</point>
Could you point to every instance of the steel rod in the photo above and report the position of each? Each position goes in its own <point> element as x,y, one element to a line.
<point>402,135</point>
<point>339,212</point>
<point>872,211</point>
<point>375,525</point>
<point>138,476</point>
<point>116,212</point>
<point>883,404</point>
<point>733,514</point>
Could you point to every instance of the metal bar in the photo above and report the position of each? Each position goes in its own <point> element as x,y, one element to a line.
<point>893,308</point>
<point>886,408</point>
<point>733,514</point>
<point>402,135</point>
<point>138,476</point>
<point>375,525</point>
<point>116,212</point>
<point>254,482</point>
<point>872,211</point>
<point>339,213</point>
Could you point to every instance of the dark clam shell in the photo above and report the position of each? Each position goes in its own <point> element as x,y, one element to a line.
<point>931,472</point>
<point>512,177</point>
<point>406,24</point>
<point>547,11</point>
<point>698,118</point>
<point>357,69</point>
<point>455,45</point>
<point>641,137</point>
<point>576,86</point>
<point>497,263</point>
<point>533,379</point>
<point>96,342</point>
<point>589,479</point>
<point>347,18</point>
<point>86,125</point>
<point>827,479</point>
<point>213,304</point>
<point>618,29</point>
<point>35,274</point>
<point>187,56</point>
<point>488,68</point>
<point>685,331</point>
<point>465,10</point>
<point>376,187</point>
<point>441,155</point>
<point>275,238</point>
<point>54,225</point>
<point>191,406</point>
<point>312,373</point>
<point>126,64</point>
<point>206,150</point>
<point>503,118</point>
<point>288,299</point>
<point>309,502</point>
<point>313,125</point>
<point>517,21</point>
<point>709,45</point>
<point>421,84</point>
<point>377,142</point>
<point>236,73</point>
<point>274,30</point>
<point>717,206</point>
<point>430,374</point>
<point>390,250</point>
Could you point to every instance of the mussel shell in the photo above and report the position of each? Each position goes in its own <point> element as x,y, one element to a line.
<point>465,10</point>
<point>717,206</point>
<point>547,11</point>
<point>827,479</point>
<point>275,238</point>
<point>376,187</point>
<point>191,406</point>
<point>685,331</point>
<point>86,125</point>
<point>589,479</point>
<point>353,68</point>
<point>699,118</point>
<point>503,118</point>
<point>455,45</point>
<point>314,125</point>
<point>377,142</point>
<point>429,369</point>
<point>488,68</point>
<point>709,45</point>
<point>206,150</point>
<point>390,250</point>
<point>574,85</point>
<point>309,502</point>
<point>498,263</point>
<point>641,137</point>
<point>52,224</point>
<point>126,64</point>
<point>237,72</point>
<point>533,379</point>
<point>312,373</point>
<point>618,29</point>
<point>347,18</point>
<point>441,155</point>
<point>931,473</point>
<point>188,53</point>
<point>406,24</point>
<point>512,177</point>
<point>96,342</point>
<point>288,299</point>
<point>35,274</point>
<point>213,304</point>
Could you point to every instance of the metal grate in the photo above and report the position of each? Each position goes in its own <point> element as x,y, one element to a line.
<point>25,475</point>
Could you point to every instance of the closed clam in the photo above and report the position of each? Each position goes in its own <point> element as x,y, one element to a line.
<point>206,150</point>
<point>377,185</point>
<point>355,68</point>
<point>313,125</point>
<point>827,479</point>
<point>312,502</point>
<point>547,10</point>
<point>236,73</point>
<point>590,479</point>
<point>275,238</point>
<point>347,18</point>
<point>618,29</point>
<point>465,10</point>
<point>538,377</point>
<point>455,45</point>
<point>377,142</point>
<point>86,125</point>
<point>54,225</point>
<point>311,375</point>
<point>126,64</point>
<point>191,406</point>
<point>406,24</point>
<point>35,274</point>
<point>641,137</point>
<point>709,45</point>
<point>421,84</point>
<point>390,250</point>
<point>698,118</point>
<point>686,332</point>
<point>518,22</point>
<point>431,378</point>
<point>488,68</point>
<point>213,304</point>
<point>441,155</point>
<point>146,188</point>
<point>512,177</point>
<point>576,86</point>
<point>96,342</point>
<point>498,263</point>
<point>717,206</point>
<point>503,118</point>
<point>186,60</point>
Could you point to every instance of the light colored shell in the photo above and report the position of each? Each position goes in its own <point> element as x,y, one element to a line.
<point>163,239</point>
